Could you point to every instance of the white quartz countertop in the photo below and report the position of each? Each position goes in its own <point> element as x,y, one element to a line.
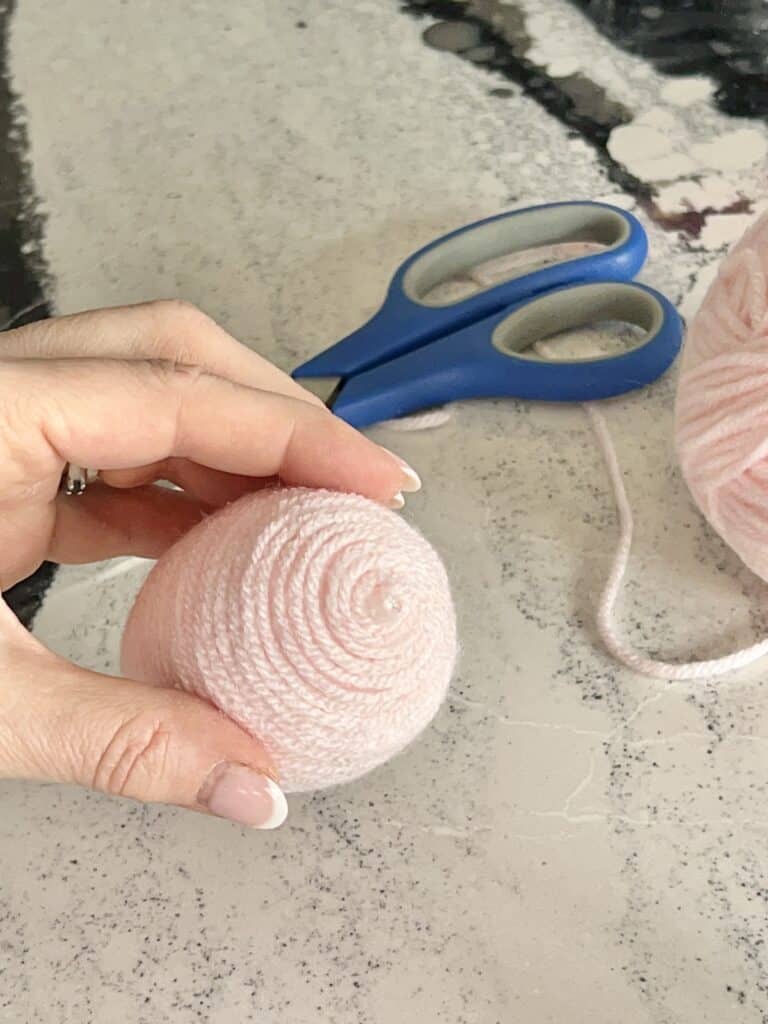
<point>568,842</point>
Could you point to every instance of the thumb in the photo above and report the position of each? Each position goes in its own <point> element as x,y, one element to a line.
<point>60,723</point>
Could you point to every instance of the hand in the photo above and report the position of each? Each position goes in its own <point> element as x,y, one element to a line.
<point>145,393</point>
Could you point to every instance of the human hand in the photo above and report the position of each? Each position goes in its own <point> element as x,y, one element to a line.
<point>145,393</point>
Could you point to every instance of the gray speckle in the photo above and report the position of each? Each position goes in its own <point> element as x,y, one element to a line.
<point>567,842</point>
<point>454,36</point>
<point>481,54</point>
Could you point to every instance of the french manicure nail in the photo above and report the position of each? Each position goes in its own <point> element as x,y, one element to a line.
<point>412,480</point>
<point>239,793</point>
<point>398,501</point>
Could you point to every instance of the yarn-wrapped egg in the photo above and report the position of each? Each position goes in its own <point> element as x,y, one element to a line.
<point>320,622</point>
<point>722,401</point>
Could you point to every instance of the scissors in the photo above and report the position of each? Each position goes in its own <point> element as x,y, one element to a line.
<point>429,344</point>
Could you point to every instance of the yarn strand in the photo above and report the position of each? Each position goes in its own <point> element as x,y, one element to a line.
<point>618,648</point>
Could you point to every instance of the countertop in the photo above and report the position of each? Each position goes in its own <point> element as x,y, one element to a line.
<point>568,841</point>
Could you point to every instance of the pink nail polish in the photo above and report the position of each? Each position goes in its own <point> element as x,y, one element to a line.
<point>241,794</point>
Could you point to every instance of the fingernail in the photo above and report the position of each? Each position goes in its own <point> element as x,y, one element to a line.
<point>241,794</point>
<point>412,480</point>
<point>398,501</point>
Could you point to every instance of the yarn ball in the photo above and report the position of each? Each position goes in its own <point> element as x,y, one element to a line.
<point>322,623</point>
<point>722,401</point>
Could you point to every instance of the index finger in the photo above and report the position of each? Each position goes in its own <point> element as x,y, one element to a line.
<point>167,329</point>
<point>120,414</point>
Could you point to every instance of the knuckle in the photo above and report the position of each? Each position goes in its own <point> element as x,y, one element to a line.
<point>175,311</point>
<point>135,757</point>
<point>173,375</point>
<point>174,386</point>
<point>22,457</point>
<point>17,398</point>
<point>178,329</point>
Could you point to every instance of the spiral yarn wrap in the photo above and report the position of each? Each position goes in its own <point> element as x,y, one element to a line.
<point>722,401</point>
<point>322,623</point>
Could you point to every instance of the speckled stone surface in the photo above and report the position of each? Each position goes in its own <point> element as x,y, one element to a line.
<point>568,842</point>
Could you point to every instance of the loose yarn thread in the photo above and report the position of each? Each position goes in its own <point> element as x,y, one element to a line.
<point>428,420</point>
<point>617,648</point>
<point>321,623</point>
<point>721,434</point>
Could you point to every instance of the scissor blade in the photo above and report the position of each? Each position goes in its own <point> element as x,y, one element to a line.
<point>324,388</point>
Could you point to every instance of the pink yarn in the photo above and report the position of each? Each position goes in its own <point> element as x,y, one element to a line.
<point>320,622</point>
<point>722,402</point>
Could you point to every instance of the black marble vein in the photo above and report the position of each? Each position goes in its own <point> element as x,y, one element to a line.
<point>22,274</point>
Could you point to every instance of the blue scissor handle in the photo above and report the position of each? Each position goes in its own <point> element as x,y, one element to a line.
<point>483,360</point>
<point>405,322</point>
